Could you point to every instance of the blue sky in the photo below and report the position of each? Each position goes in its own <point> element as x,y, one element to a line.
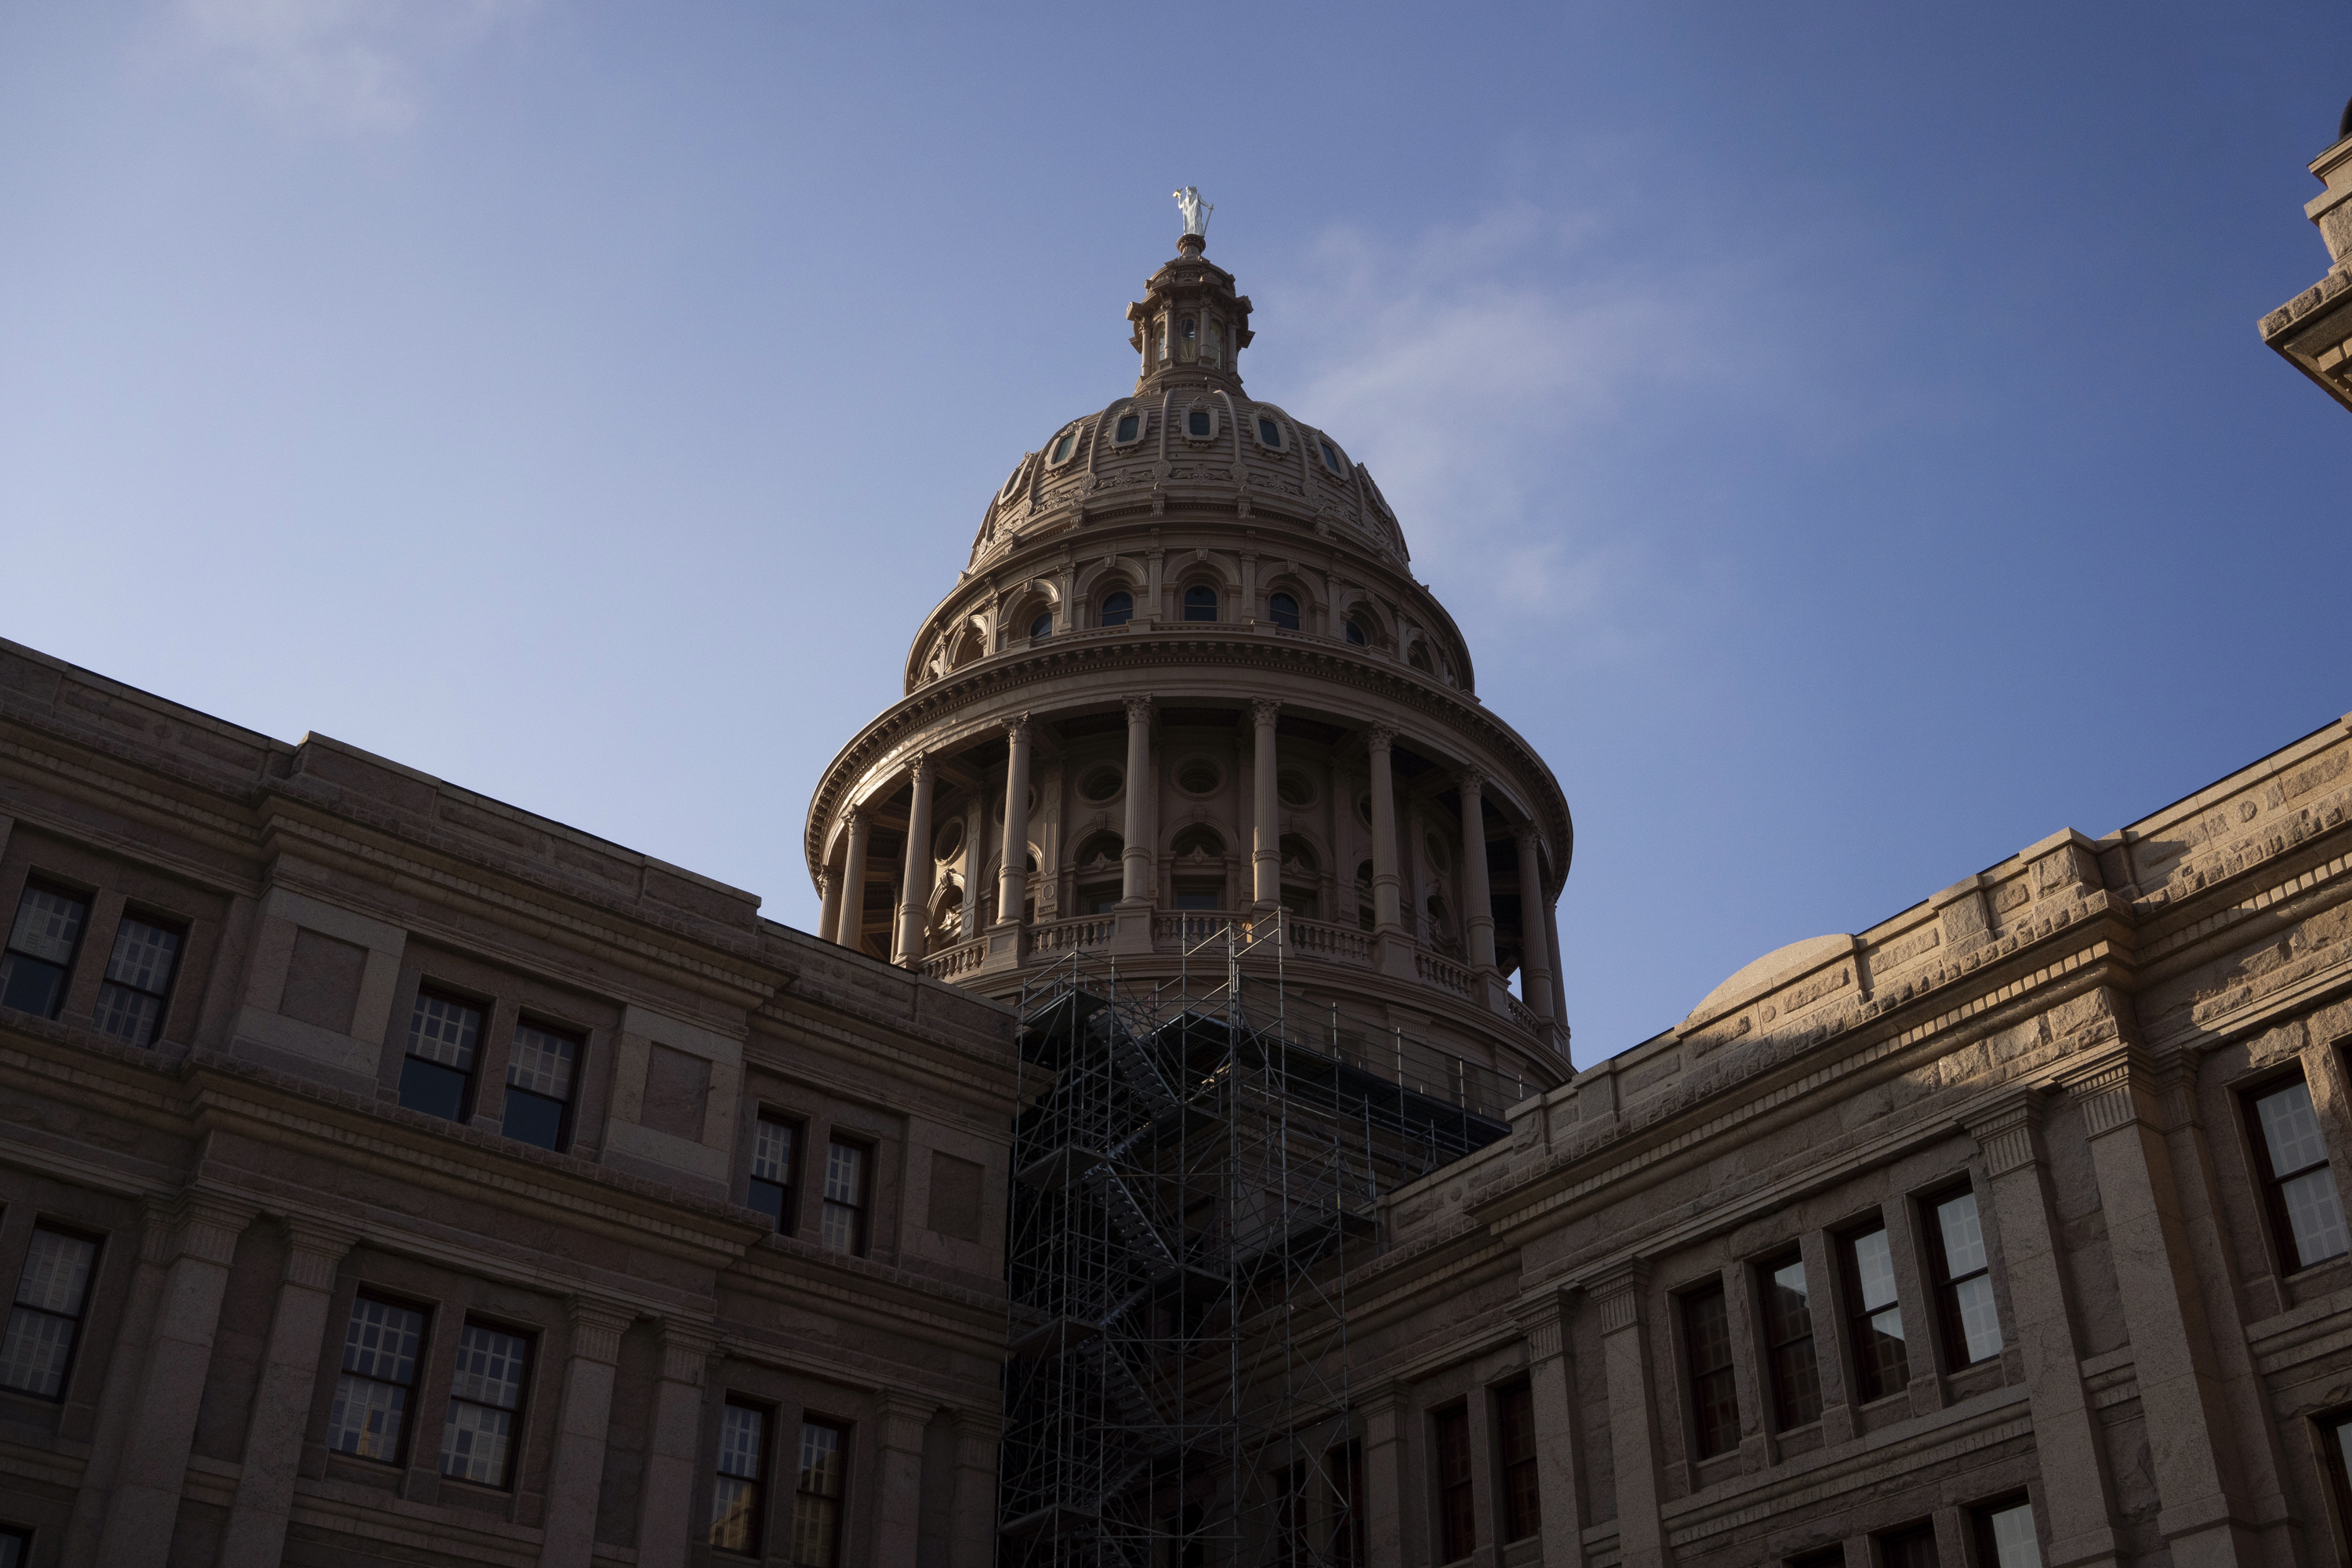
<point>1840,429</point>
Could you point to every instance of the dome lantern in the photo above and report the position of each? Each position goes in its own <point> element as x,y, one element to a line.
<point>1190,322</point>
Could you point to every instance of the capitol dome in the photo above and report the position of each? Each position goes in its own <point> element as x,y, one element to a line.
<point>1186,675</point>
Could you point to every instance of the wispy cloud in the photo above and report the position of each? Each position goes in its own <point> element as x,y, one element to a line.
<point>357,66</point>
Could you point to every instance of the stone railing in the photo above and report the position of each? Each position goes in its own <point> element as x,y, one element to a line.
<point>1337,944</point>
<point>1525,1017</point>
<point>961,959</point>
<point>1442,971</point>
<point>1063,936</point>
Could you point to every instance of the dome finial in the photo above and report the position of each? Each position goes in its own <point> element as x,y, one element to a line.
<point>1196,218</point>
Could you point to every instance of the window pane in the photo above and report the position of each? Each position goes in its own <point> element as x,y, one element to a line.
<point>2013,1544</point>
<point>2291,1128</point>
<point>1786,1315</point>
<point>543,1062</point>
<point>433,1089</point>
<point>490,1367</point>
<point>129,1016</point>
<point>1979,1321</point>
<point>474,1443</point>
<point>1198,423</point>
<point>36,1351</point>
<point>142,955</point>
<point>733,1508</point>
<point>532,1118</point>
<point>31,984</point>
<point>771,1150</point>
<point>14,1549</point>
<point>1269,432</point>
<point>816,1530</point>
<point>1964,1249</point>
<point>1119,609</point>
<point>444,1031</point>
<point>1886,1363</point>
<point>56,1272</point>
<point>2315,1216</point>
<point>366,1418</point>
<point>1129,424</point>
<point>844,1173</point>
<point>383,1340</point>
<point>48,924</point>
<point>820,1459</point>
<point>743,1432</point>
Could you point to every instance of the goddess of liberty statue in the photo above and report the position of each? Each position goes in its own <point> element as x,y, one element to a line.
<point>1196,211</point>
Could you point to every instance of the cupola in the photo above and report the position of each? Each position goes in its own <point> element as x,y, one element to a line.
<point>1190,324</point>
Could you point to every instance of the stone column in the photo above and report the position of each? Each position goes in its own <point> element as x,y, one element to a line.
<point>1633,1416</point>
<point>1551,1381</point>
<point>1535,962</point>
<point>118,1400</point>
<point>666,1505</point>
<point>281,1397</point>
<point>2076,1488</point>
<point>1266,819</point>
<point>1559,975</point>
<point>972,1543</point>
<point>1477,894</point>
<point>828,910</point>
<point>915,884</point>
<point>1013,875</point>
<point>1135,857</point>
<point>2180,1388</point>
<point>146,1501</point>
<point>575,1477</point>
<point>852,931</point>
<point>899,1485</point>
<point>1387,1476</point>
<point>1379,739</point>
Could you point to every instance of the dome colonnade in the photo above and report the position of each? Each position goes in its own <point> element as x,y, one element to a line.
<point>1186,676</point>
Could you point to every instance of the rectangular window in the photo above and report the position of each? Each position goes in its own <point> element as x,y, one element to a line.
<point>370,1418</point>
<point>15,1547</point>
<point>2336,1441</point>
<point>1911,1548</point>
<point>2298,1189</point>
<point>42,943</point>
<point>1873,1319</point>
<point>1715,1395</point>
<point>735,1511</point>
<point>1827,1557</point>
<point>1515,1445</point>
<point>1457,1517</point>
<point>539,1086</point>
<point>1788,1343</point>
<point>477,1438</point>
<point>138,981</point>
<point>1963,1281</point>
<point>52,1294</point>
<point>818,1495</point>
<point>1291,1501</point>
<point>1343,1473</point>
<point>437,1077</point>
<point>775,1143</point>
<point>843,1227</point>
<point>2005,1537</point>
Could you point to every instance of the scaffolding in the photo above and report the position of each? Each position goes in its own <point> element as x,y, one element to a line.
<point>1198,1163</point>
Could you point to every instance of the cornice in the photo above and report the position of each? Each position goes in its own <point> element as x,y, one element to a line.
<point>1120,654</point>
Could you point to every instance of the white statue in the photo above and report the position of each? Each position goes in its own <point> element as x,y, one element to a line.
<point>1196,211</point>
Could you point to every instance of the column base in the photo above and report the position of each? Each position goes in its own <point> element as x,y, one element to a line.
<point>1131,927</point>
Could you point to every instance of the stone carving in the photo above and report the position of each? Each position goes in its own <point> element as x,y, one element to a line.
<point>1196,211</point>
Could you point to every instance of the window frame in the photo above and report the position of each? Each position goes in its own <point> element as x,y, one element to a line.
<point>23,1538</point>
<point>1103,611</point>
<point>1207,411</point>
<point>1916,1530</point>
<point>470,1095</point>
<point>1068,433</point>
<point>789,1190</point>
<point>567,1108</point>
<point>1517,1475</point>
<point>1982,1539</point>
<point>1945,1286</point>
<point>1335,462</point>
<point>178,929</point>
<point>839,1498</point>
<point>517,1415</point>
<point>1264,422</point>
<point>863,1208</point>
<point>1215,606</point>
<point>1142,417</point>
<point>1452,1473</point>
<point>757,1483</point>
<point>1296,614</point>
<point>60,889</point>
<point>1699,1379</point>
<point>76,1321</point>
<point>2270,1183</point>
<point>407,1433</point>
<point>1778,1396</point>
<point>2333,1431</point>
<point>1859,1317</point>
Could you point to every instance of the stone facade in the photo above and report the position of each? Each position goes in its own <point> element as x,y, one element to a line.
<point>231,1176</point>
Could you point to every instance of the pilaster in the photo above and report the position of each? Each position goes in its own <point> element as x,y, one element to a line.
<point>281,1400</point>
<point>575,1479</point>
<point>1618,1295</point>
<point>1551,1381</point>
<point>665,1509</point>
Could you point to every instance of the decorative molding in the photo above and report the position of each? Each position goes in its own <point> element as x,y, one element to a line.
<point>1263,711</point>
<point>209,1227</point>
<point>596,1330</point>
<point>686,1350</point>
<point>1470,780</point>
<point>2114,1093</point>
<point>2005,1132</point>
<point>1617,1292</point>
<point>314,1252</point>
<point>1138,711</point>
<point>1379,737</point>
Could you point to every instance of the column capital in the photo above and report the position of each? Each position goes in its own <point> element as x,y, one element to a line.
<point>901,1417</point>
<point>824,883</point>
<point>978,1427</point>
<point>686,1350</point>
<point>1527,836</point>
<point>1263,710</point>
<point>1617,1290</point>
<point>1016,729</point>
<point>1139,711</point>
<point>1379,737</point>
<point>918,764</point>
<point>2005,1130</point>
<point>856,814</point>
<point>1383,1398</point>
<point>2114,1091</point>
<point>1470,780</point>
<point>1543,1317</point>
<point>598,1327</point>
<point>314,1251</point>
<point>206,1225</point>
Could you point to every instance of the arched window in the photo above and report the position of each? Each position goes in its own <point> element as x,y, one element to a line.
<point>1420,659</point>
<point>1297,855</point>
<point>1101,846</point>
<point>1199,603</point>
<point>1185,333</point>
<point>1042,627</point>
<point>1355,631</point>
<point>1119,608</point>
<point>1284,611</point>
<point>1331,458</point>
<point>1062,447</point>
